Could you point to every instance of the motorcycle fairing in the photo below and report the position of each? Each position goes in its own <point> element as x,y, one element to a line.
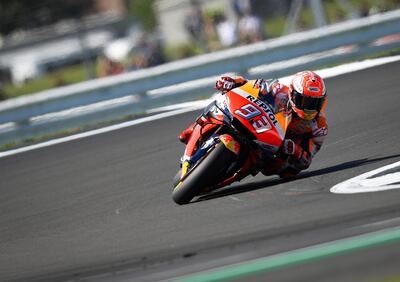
<point>283,119</point>
<point>256,115</point>
<point>242,103</point>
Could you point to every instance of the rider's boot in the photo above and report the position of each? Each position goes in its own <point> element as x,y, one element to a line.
<point>281,168</point>
<point>289,173</point>
<point>274,167</point>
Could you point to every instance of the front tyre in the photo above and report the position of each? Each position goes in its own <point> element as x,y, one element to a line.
<point>177,178</point>
<point>206,174</point>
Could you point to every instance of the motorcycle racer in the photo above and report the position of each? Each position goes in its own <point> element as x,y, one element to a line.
<point>304,100</point>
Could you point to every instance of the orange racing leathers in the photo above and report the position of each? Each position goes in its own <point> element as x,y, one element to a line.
<point>307,135</point>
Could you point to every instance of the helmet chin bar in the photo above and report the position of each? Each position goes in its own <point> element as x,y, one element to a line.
<point>305,114</point>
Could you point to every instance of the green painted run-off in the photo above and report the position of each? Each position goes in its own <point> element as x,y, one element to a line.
<point>296,257</point>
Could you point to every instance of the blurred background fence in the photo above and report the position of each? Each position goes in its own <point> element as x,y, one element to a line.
<point>122,47</point>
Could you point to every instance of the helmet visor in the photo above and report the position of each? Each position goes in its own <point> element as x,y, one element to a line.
<point>308,103</point>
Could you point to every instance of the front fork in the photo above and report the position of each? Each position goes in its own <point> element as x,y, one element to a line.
<point>226,139</point>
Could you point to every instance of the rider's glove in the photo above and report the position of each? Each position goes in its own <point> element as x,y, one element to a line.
<point>290,148</point>
<point>225,83</point>
<point>302,159</point>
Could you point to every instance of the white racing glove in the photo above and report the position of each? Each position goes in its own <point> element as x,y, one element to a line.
<point>302,159</point>
<point>225,83</point>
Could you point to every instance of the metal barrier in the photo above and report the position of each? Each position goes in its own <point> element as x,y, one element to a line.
<point>140,86</point>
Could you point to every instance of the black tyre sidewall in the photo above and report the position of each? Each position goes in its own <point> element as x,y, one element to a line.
<point>205,174</point>
<point>177,178</point>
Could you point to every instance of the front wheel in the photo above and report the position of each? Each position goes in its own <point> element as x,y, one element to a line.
<point>206,174</point>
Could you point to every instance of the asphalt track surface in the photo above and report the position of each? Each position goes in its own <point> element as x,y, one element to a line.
<point>100,208</point>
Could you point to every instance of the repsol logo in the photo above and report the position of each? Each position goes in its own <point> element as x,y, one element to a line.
<point>263,106</point>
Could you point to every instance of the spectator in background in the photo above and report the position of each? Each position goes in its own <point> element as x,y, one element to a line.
<point>194,24</point>
<point>226,31</point>
<point>156,54</point>
<point>364,10</point>
<point>109,67</point>
<point>210,32</point>
<point>240,7</point>
<point>250,29</point>
<point>147,53</point>
<point>367,10</point>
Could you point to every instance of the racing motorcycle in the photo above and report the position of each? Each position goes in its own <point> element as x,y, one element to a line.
<point>237,135</point>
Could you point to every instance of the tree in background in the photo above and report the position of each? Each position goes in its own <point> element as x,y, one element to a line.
<point>143,11</point>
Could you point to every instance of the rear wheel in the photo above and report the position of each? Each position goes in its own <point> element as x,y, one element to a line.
<point>205,174</point>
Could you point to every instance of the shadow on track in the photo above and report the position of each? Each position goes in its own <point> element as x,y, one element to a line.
<point>272,182</point>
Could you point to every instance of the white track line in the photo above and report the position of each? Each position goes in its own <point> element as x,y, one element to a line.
<point>367,183</point>
<point>350,67</point>
<point>101,130</point>
<point>325,73</point>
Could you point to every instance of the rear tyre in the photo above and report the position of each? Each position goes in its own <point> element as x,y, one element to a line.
<point>206,174</point>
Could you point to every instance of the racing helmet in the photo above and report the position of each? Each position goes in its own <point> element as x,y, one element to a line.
<point>307,94</point>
